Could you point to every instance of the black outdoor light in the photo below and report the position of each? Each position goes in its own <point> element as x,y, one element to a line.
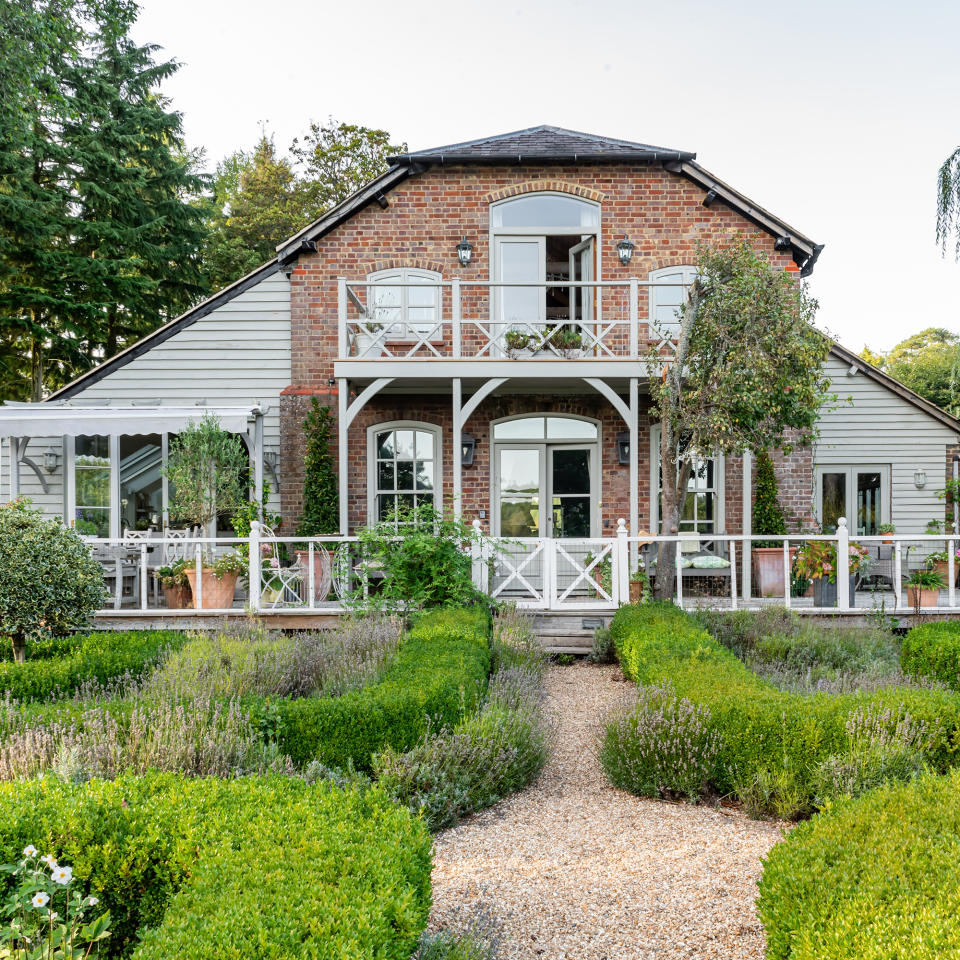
<point>464,251</point>
<point>625,250</point>
<point>467,446</point>
<point>623,447</point>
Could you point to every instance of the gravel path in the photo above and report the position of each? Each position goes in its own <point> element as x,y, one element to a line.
<point>574,868</point>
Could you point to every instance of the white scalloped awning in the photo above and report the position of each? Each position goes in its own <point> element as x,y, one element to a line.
<point>53,419</point>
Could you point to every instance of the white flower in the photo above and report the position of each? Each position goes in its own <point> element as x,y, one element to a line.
<point>61,875</point>
<point>48,859</point>
<point>30,850</point>
<point>92,901</point>
<point>40,899</point>
<point>53,915</point>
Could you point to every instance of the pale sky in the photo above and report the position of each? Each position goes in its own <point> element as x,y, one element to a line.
<point>834,115</point>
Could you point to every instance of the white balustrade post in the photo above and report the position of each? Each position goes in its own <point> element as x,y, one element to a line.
<point>254,566</point>
<point>897,573</point>
<point>455,317</point>
<point>951,572</point>
<point>621,564</point>
<point>143,575</point>
<point>678,560</point>
<point>635,321</point>
<point>843,565</point>
<point>478,558</point>
<point>342,317</point>
<point>786,573</point>
<point>312,574</point>
<point>733,574</point>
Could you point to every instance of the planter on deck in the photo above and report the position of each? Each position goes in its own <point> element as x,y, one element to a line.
<point>768,569</point>
<point>825,592</point>
<point>215,594</point>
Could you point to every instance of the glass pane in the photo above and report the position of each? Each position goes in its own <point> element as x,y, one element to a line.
<point>404,444</point>
<point>563,428</point>
<point>868,503</point>
<point>385,505</point>
<point>834,487</point>
<point>526,428</point>
<point>520,471</point>
<point>571,516</point>
<point>93,448</point>
<point>520,260</point>
<point>424,445</point>
<point>571,472</point>
<point>385,445</point>
<point>141,482</point>
<point>93,486</point>
<point>520,517</point>
<point>424,475</point>
<point>545,210</point>
<point>424,499</point>
<point>93,522</point>
<point>386,475</point>
<point>404,474</point>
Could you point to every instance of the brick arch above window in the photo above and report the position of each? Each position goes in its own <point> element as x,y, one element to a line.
<point>546,186</point>
<point>398,263</point>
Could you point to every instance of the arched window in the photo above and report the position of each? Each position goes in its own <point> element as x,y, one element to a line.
<point>548,210</point>
<point>404,467</point>
<point>666,301</point>
<point>404,311</point>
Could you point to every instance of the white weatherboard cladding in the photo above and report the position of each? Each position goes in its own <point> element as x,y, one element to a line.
<point>873,425</point>
<point>239,354</point>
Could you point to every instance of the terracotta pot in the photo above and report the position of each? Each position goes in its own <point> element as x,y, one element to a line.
<point>927,598</point>
<point>322,572</point>
<point>768,569</point>
<point>942,567</point>
<point>887,540</point>
<point>215,594</point>
<point>176,595</point>
<point>636,591</point>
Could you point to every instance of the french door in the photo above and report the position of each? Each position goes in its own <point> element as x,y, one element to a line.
<point>581,270</point>
<point>520,260</point>
<point>860,493</point>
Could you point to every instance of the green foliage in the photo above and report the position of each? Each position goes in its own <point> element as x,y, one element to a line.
<point>60,667</point>
<point>425,561</point>
<point>768,518</point>
<point>948,202</point>
<point>925,580</point>
<point>49,582</point>
<point>321,513</point>
<point>440,672</point>
<point>933,650</point>
<point>817,559</point>
<point>249,869</point>
<point>772,742</point>
<point>206,469</point>
<point>872,879</point>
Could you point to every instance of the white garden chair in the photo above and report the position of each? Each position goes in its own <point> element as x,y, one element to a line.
<point>279,585</point>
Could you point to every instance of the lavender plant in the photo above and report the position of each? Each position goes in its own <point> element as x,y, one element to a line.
<point>663,746</point>
<point>473,935</point>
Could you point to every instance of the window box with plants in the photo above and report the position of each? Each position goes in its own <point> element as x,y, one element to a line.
<point>817,561</point>
<point>923,588</point>
<point>567,341</point>
<point>370,338</point>
<point>519,344</point>
<point>176,586</point>
<point>766,556</point>
<point>206,469</point>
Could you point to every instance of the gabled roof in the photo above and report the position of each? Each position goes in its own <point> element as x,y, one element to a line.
<point>543,144</point>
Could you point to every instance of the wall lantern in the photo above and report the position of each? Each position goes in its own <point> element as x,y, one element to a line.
<point>919,479</point>
<point>50,460</point>
<point>467,446</point>
<point>464,251</point>
<point>625,250</point>
<point>623,447</point>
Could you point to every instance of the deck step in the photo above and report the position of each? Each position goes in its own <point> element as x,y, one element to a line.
<point>568,632</point>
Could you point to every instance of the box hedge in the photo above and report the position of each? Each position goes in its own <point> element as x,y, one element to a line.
<point>933,650</point>
<point>248,869</point>
<point>877,878</point>
<point>786,736</point>
<point>58,667</point>
<point>439,673</point>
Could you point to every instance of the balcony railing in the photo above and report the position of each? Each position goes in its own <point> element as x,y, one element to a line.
<point>497,320</point>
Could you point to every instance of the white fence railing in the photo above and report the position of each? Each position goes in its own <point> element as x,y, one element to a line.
<point>270,574</point>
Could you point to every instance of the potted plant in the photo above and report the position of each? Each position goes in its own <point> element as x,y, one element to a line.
<point>817,561</point>
<point>369,337</point>
<point>321,512</point>
<point>768,520</point>
<point>938,562</point>
<point>568,341</point>
<point>887,529</point>
<point>639,586</point>
<point>923,588</point>
<point>518,343</point>
<point>206,469</point>
<point>176,586</point>
<point>934,527</point>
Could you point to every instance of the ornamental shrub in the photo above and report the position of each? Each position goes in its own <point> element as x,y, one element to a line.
<point>768,517</point>
<point>877,878</point>
<point>49,582</point>
<point>249,869</point>
<point>933,650</point>
<point>321,512</point>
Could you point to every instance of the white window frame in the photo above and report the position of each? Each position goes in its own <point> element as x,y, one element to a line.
<point>851,470</point>
<point>719,489</point>
<point>406,275</point>
<point>687,273</point>
<point>372,486</point>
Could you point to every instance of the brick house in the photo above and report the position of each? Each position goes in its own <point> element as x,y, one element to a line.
<point>476,319</point>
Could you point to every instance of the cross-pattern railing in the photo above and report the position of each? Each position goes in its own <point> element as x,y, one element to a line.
<point>477,319</point>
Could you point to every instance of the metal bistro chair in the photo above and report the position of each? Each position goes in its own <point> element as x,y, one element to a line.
<point>279,585</point>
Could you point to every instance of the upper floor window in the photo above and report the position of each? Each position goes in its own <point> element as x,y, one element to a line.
<point>545,210</point>
<point>666,301</point>
<point>405,311</point>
